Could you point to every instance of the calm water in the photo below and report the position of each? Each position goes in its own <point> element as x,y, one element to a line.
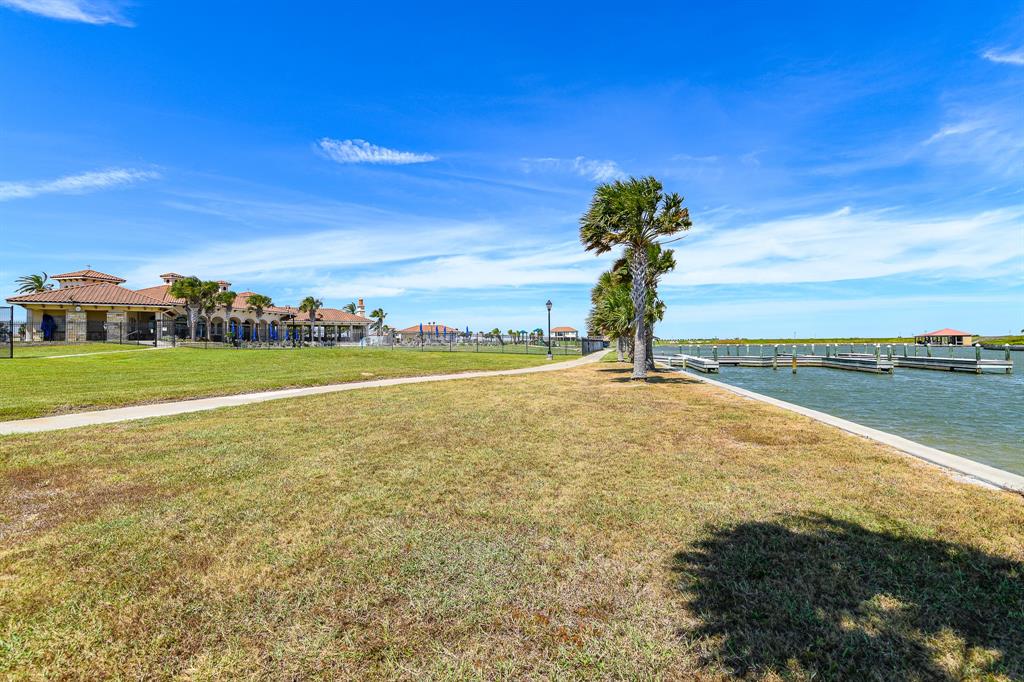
<point>975,416</point>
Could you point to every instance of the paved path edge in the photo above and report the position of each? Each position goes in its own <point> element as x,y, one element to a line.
<point>133,412</point>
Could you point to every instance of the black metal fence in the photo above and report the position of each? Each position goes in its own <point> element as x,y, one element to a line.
<point>6,331</point>
<point>19,339</point>
<point>476,343</point>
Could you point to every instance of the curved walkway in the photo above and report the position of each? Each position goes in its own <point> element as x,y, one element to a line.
<point>121,414</point>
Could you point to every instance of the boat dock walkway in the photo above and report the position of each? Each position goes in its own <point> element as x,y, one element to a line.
<point>878,362</point>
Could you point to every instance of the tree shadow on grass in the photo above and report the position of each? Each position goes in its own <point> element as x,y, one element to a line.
<point>813,596</point>
<point>653,377</point>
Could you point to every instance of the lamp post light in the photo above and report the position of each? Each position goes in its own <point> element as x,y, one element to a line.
<point>548,304</point>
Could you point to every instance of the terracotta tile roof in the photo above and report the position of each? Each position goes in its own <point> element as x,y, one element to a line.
<point>430,329</point>
<point>88,274</point>
<point>172,274</point>
<point>946,332</point>
<point>326,315</point>
<point>101,293</point>
<point>563,329</point>
<point>161,292</point>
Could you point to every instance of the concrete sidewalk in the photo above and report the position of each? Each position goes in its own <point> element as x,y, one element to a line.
<point>70,421</point>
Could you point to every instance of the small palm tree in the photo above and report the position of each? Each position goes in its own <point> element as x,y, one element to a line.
<point>310,305</point>
<point>350,307</point>
<point>378,316</point>
<point>258,303</point>
<point>634,213</point>
<point>31,284</point>
<point>192,292</point>
<point>612,312</point>
<point>208,303</point>
<point>226,299</point>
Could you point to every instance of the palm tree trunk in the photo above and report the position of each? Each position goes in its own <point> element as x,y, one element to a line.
<point>193,318</point>
<point>638,293</point>
<point>650,346</point>
<point>620,344</point>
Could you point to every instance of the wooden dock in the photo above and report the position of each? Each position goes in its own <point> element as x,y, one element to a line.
<point>706,365</point>
<point>973,365</point>
<point>879,362</point>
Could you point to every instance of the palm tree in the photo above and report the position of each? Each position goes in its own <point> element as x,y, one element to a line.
<point>378,316</point>
<point>633,213</point>
<point>257,303</point>
<point>310,305</point>
<point>31,284</point>
<point>612,311</point>
<point>208,303</point>
<point>192,291</point>
<point>661,261</point>
<point>350,307</point>
<point>226,299</point>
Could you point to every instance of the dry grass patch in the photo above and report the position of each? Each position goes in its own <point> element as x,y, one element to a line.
<point>570,524</point>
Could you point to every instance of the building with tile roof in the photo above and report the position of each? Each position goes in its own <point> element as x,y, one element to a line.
<point>91,306</point>
<point>945,337</point>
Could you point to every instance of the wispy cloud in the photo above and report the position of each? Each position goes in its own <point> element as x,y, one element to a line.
<point>85,11</point>
<point>1015,57</point>
<point>361,151</point>
<point>961,128</point>
<point>593,169</point>
<point>75,184</point>
<point>850,245</point>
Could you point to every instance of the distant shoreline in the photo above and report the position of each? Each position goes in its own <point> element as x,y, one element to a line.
<point>720,342</point>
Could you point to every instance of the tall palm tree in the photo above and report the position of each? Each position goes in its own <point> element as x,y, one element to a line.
<point>660,261</point>
<point>378,316</point>
<point>633,213</point>
<point>350,307</point>
<point>226,299</point>
<point>31,284</point>
<point>192,291</point>
<point>310,305</point>
<point>258,303</point>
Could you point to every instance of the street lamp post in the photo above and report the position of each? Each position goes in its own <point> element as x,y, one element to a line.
<point>549,328</point>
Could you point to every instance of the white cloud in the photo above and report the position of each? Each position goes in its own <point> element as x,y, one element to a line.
<point>75,184</point>
<point>361,151</point>
<point>85,11</point>
<point>847,245</point>
<point>961,128</point>
<point>1015,57</point>
<point>593,169</point>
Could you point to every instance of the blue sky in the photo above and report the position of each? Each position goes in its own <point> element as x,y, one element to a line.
<point>849,170</point>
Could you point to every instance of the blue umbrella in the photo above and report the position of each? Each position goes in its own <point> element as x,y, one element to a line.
<point>467,330</point>
<point>421,329</point>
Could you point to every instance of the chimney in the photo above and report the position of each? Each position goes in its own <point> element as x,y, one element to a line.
<point>360,308</point>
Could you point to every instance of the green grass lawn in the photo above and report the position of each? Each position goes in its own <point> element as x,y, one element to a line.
<point>23,351</point>
<point>567,525</point>
<point>1000,340</point>
<point>32,387</point>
